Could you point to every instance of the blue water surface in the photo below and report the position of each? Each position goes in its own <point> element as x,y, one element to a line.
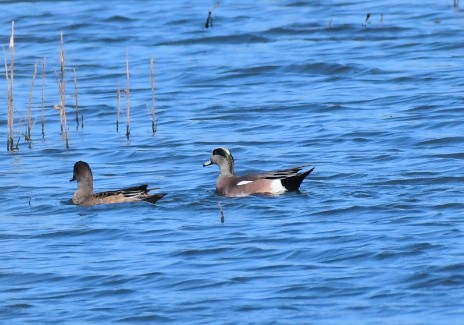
<point>375,234</point>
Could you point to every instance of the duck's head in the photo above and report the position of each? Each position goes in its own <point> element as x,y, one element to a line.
<point>223,158</point>
<point>81,172</point>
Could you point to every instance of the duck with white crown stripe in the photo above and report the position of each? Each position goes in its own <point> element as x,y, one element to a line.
<point>274,182</point>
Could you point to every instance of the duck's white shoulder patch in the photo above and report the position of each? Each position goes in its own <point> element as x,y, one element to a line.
<point>244,182</point>
<point>277,187</point>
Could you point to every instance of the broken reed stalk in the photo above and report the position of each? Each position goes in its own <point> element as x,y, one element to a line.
<point>456,3</point>
<point>9,145</point>
<point>20,133</point>
<point>64,126</point>
<point>209,20</point>
<point>10,83</point>
<point>152,75</point>
<point>43,97</point>
<point>128,95</point>
<point>29,107</point>
<point>76,94</point>
<point>118,94</point>
<point>221,208</point>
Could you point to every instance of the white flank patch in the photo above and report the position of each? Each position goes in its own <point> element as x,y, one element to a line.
<point>277,187</point>
<point>244,182</point>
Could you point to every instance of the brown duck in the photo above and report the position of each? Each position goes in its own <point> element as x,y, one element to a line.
<point>86,196</point>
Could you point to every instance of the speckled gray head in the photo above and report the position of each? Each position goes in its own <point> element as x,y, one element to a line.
<point>223,158</point>
<point>273,182</point>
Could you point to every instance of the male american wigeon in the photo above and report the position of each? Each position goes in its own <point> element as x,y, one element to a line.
<point>275,182</point>
<point>86,196</point>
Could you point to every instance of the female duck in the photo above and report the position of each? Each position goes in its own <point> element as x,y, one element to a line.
<point>86,196</point>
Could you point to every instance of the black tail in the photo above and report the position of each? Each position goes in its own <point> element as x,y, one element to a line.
<point>152,198</point>
<point>293,183</point>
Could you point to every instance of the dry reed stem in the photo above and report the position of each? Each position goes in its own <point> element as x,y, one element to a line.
<point>7,77</point>
<point>76,94</point>
<point>456,3</point>
<point>221,208</point>
<point>20,133</point>
<point>29,107</point>
<point>118,95</point>
<point>10,82</point>
<point>11,98</point>
<point>62,88</point>
<point>43,97</point>
<point>128,95</point>
<point>152,75</point>
<point>209,20</point>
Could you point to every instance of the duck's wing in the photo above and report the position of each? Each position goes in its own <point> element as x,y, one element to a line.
<point>129,192</point>
<point>276,174</point>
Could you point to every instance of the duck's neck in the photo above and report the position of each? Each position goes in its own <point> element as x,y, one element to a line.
<point>227,169</point>
<point>84,188</point>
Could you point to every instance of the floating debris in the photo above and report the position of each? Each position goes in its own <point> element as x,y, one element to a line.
<point>76,95</point>
<point>9,74</point>
<point>62,88</point>
<point>127,95</point>
<point>43,97</point>
<point>118,97</point>
<point>29,107</point>
<point>152,77</point>
<point>221,208</point>
<point>366,21</point>
<point>209,20</point>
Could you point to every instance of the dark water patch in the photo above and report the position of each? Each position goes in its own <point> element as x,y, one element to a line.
<point>449,206</point>
<point>27,279</point>
<point>408,250</point>
<point>201,252</point>
<point>194,284</point>
<point>448,156</point>
<point>458,140</point>
<point>104,233</point>
<point>294,30</point>
<point>118,19</point>
<point>18,307</point>
<point>341,256</point>
<point>112,293</point>
<point>323,68</point>
<point>219,40</point>
<point>150,317</point>
<point>351,210</point>
<point>434,281</point>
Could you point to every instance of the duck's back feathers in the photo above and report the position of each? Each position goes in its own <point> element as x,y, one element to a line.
<point>276,174</point>
<point>129,194</point>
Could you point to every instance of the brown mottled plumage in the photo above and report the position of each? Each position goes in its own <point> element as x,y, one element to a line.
<point>86,196</point>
